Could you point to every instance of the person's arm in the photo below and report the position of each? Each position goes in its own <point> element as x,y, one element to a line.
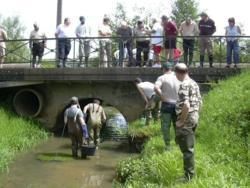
<point>239,30</point>
<point>104,115</point>
<point>213,27</point>
<point>44,40</point>
<point>85,109</point>
<point>181,29</point>
<point>65,117</point>
<point>157,88</point>
<point>77,32</point>
<point>30,41</point>
<point>57,31</point>
<point>143,95</point>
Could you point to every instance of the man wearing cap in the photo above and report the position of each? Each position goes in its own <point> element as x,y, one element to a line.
<point>3,37</point>
<point>37,45</point>
<point>188,30</point>
<point>187,109</point>
<point>207,29</point>
<point>83,31</point>
<point>77,129</point>
<point>125,41</point>
<point>167,87</point>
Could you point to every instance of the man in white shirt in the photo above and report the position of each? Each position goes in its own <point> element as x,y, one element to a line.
<point>83,31</point>
<point>3,37</point>
<point>188,30</point>
<point>63,33</point>
<point>152,102</point>
<point>105,43</point>
<point>37,45</point>
<point>157,40</point>
<point>167,87</point>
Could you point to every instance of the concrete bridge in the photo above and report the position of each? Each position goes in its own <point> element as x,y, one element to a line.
<point>44,93</point>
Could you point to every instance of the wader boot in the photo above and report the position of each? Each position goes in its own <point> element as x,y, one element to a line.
<point>211,59</point>
<point>202,58</point>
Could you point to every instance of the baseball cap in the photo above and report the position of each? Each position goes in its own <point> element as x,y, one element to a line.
<point>74,100</point>
<point>167,65</point>
<point>203,14</point>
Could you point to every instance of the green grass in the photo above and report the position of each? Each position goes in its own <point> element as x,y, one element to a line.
<point>16,135</point>
<point>222,146</point>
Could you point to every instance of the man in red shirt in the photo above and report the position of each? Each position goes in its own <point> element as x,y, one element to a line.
<point>171,32</point>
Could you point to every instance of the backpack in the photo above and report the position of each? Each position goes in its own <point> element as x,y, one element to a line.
<point>95,117</point>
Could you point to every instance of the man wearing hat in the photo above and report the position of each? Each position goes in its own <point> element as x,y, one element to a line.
<point>187,110</point>
<point>83,31</point>
<point>207,29</point>
<point>167,87</point>
<point>37,45</point>
<point>77,129</point>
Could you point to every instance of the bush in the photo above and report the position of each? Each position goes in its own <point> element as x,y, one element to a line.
<point>221,149</point>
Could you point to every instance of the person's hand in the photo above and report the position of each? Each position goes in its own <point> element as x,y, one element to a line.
<point>147,105</point>
<point>179,124</point>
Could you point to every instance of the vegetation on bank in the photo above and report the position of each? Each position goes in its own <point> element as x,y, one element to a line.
<point>16,135</point>
<point>222,156</point>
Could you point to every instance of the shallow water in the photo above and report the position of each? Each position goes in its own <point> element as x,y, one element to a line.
<point>97,171</point>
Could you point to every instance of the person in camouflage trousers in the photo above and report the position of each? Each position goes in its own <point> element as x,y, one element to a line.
<point>187,110</point>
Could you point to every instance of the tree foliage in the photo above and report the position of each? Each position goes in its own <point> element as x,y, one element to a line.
<point>15,51</point>
<point>182,9</point>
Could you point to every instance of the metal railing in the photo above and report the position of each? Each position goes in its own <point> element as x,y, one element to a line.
<point>104,52</point>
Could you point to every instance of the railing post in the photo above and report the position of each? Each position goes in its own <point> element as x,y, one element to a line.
<point>220,56</point>
<point>74,52</point>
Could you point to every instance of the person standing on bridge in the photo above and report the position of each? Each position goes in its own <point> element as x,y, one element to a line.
<point>83,31</point>
<point>3,37</point>
<point>37,45</point>
<point>97,118</point>
<point>63,33</point>
<point>187,109</point>
<point>207,29</point>
<point>105,43</point>
<point>152,102</point>
<point>233,48</point>
<point>77,129</point>
<point>167,87</point>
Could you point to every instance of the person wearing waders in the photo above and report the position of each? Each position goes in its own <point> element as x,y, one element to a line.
<point>97,118</point>
<point>77,128</point>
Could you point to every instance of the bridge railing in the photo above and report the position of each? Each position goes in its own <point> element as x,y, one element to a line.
<point>104,52</point>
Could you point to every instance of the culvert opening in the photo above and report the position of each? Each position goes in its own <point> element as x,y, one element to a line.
<point>28,103</point>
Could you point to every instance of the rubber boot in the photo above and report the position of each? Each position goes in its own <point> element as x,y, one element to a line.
<point>202,58</point>
<point>211,59</point>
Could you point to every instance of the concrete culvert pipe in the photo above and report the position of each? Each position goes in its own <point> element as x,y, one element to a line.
<point>28,103</point>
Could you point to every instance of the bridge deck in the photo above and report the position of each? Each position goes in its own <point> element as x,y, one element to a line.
<point>108,74</point>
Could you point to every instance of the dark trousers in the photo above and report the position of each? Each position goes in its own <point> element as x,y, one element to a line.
<point>188,48</point>
<point>122,46</point>
<point>142,46</point>
<point>64,47</point>
<point>37,51</point>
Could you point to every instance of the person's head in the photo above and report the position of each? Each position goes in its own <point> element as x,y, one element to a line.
<point>106,21</point>
<point>231,21</point>
<point>138,80</point>
<point>140,24</point>
<point>36,26</point>
<point>124,24</point>
<point>164,19</point>
<point>181,71</point>
<point>82,19</point>
<point>67,21</point>
<point>204,16</point>
<point>167,66</point>
<point>188,20</point>
<point>74,100</point>
<point>96,101</point>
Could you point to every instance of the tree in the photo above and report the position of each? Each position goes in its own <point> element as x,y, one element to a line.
<point>15,51</point>
<point>181,9</point>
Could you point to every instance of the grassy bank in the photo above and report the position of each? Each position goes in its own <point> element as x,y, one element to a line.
<point>222,144</point>
<point>16,134</point>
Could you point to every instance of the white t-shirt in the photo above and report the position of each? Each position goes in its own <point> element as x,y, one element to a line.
<point>83,31</point>
<point>37,35</point>
<point>3,36</point>
<point>158,32</point>
<point>147,88</point>
<point>105,29</point>
<point>169,86</point>
<point>64,31</point>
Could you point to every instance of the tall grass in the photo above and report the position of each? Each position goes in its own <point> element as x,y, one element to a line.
<point>222,146</point>
<point>16,134</point>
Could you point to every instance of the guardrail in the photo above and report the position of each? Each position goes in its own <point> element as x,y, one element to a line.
<point>104,52</point>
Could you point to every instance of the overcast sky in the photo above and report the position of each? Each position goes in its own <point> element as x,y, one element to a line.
<point>44,11</point>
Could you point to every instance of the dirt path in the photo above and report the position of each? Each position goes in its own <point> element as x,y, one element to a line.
<point>98,171</point>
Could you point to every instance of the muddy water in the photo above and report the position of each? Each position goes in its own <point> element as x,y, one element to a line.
<point>97,171</point>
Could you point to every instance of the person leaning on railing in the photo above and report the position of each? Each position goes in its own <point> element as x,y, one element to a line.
<point>207,29</point>
<point>3,37</point>
<point>188,30</point>
<point>63,33</point>
<point>37,45</point>
<point>233,48</point>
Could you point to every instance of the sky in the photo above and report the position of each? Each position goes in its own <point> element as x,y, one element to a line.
<point>44,11</point>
